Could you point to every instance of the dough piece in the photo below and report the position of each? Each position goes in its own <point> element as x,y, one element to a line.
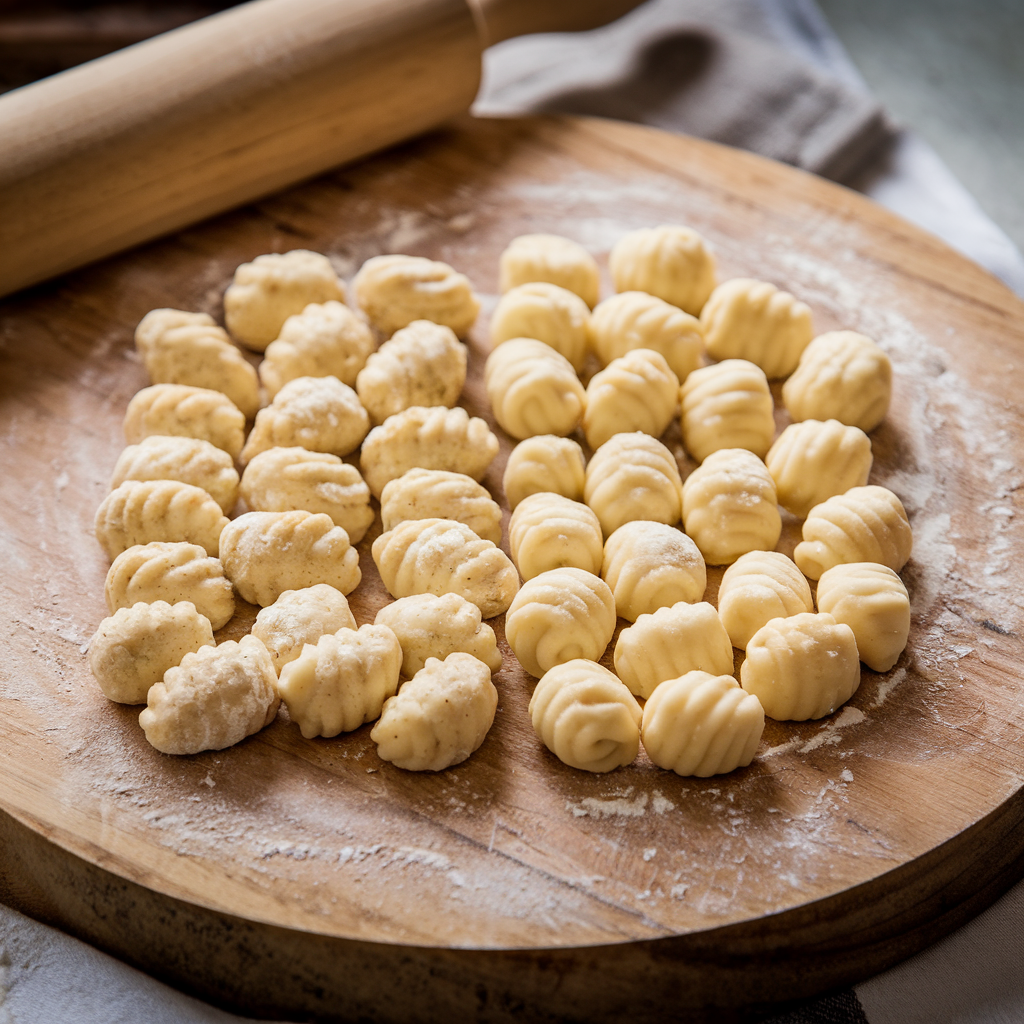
<point>434,626</point>
<point>342,681</point>
<point>730,507</point>
<point>635,320</point>
<point>422,364</point>
<point>672,262</point>
<point>213,699</point>
<point>728,405</point>
<point>747,319</point>
<point>650,566</point>
<point>872,600</point>
<point>423,438</point>
<point>393,291</point>
<point>560,615</point>
<point>140,511</point>
<point>183,411</point>
<point>296,479</point>
<point>188,459</point>
<point>669,643</point>
<point>439,717</point>
<point>267,553</point>
<point>702,724</point>
<point>438,494</point>
<point>171,572</point>
<point>134,647</point>
<point>196,352</point>
<point>546,313</point>
<point>440,556</point>
<point>300,617</point>
<point>586,717</point>
<point>272,288</point>
<point>757,587</point>
<point>844,376</point>
<point>325,340</point>
<point>635,392</point>
<point>866,524</point>
<point>548,531</point>
<point>318,413</point>
<point>554,259</point>
<point>544,463</point>
<point>633,476</point>
<point>532,389</point>
<point>812,461</point>
<point>801,667</point>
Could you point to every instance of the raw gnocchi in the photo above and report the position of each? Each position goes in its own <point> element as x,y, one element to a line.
<point>757,587</point>
<point>300,617</point>
<point>548,531</point>
<point>438,494</point>
<point>547,313</point>
<point>183,411</point>
<point>553,259</point>
<point>545,462</point>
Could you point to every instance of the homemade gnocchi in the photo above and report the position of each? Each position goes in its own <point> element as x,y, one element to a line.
<point>441,556</point>
<point>439,717</point>
<point>545,462</point>
<point>438,494</point>
<point>758,587</point>
<point>558,616</point>
<point>341,682</point>
<point>183,411</point>
<point>266,553</point>
<point>300,617</point>
<point>422,364</point>
<point>548,531</point>
<point>586,717</point>
<point>553,259</point>
<point>547,313</point>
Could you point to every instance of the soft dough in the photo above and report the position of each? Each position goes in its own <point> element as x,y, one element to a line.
<point>300,617</point>
<point>546,313</point>
<point>544,463</point>
<point>757,587</point>
<point>183,411</point>
<point>553,259</point>
<point>548,531</point>
<point>438,494</point>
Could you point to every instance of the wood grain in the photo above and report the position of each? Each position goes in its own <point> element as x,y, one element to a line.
<point>298,878</point>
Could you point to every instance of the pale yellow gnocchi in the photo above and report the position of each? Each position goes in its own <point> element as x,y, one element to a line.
<point>300,617</point>
<point>544,312</point>
<point>545,462</point>
<point>438,494</point>
<point>553,259</point>
<point>758,587</point>
<point>183,411</point>
<point>548,531</point>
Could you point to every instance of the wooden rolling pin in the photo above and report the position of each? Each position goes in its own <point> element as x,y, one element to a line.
<point>233,107</point>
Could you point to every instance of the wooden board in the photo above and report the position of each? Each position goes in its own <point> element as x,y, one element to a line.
<point>308,878</point>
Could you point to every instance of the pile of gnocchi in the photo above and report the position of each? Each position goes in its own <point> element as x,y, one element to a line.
<point>589,542</point>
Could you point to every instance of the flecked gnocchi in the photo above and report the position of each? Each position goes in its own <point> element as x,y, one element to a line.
<point>757,587</point>
<point>548,531</point>
<point>553,259</point>
<point>300,617</point>
<point>545,462</point>
<point>544,312</point>
<point>183,411</point>
<point>438,494</point>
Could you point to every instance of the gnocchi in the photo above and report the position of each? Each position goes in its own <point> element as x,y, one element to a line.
<point>548,531</point>
<point>553,259</point>
<point>547,313</point>
<point>544,462</point>
<point>183,411</point>
<point>757,587</point>
<point>300,617</point>
<point>438,494</point>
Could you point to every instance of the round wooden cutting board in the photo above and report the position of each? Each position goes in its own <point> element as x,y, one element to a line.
<point>307,878</point>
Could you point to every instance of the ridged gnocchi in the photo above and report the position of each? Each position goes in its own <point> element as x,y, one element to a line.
<point>198,353</point>
<point>844,376</point>
<point>318,413</point>
<point>422,364</point>
<point>325,340</point>
<point>264,293</point>
<point>866,524</point>
<point>439,717</point>
<point>553,259</point>
<point>730,506</point>
<point>801,667</point>
<point>183,411</point>
<point>188,459</point>
<point>438,494</point>
<point>395,290</point>
<point>437,438</point>
<point>341,682</point>
<point>296,479</point>
<point>532,389</point>
<point>872,600</point>
<point>133,648</point>
<point>558,616</point>
<point>213,699</point>
<point>651,565</point>
<point>547,313</point>
<point>266,553</point>
<point>670,642</point>
<point>441,556</point>
<point>674,263</point>
<point>548,531</point>
<point>748,319</point>
<point>586,717</point>
<point>702,724</point>
<point>300,617</point>
<point>633,320</point>
<point>812,461</point>
<point>637,391</point>
<point>434,626</point>
<point>140,511</point>
<point>633,476</point>
<point>172,572</point>
<point>727,405</point>
<point>545,462</point>
<point>758,587</point>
